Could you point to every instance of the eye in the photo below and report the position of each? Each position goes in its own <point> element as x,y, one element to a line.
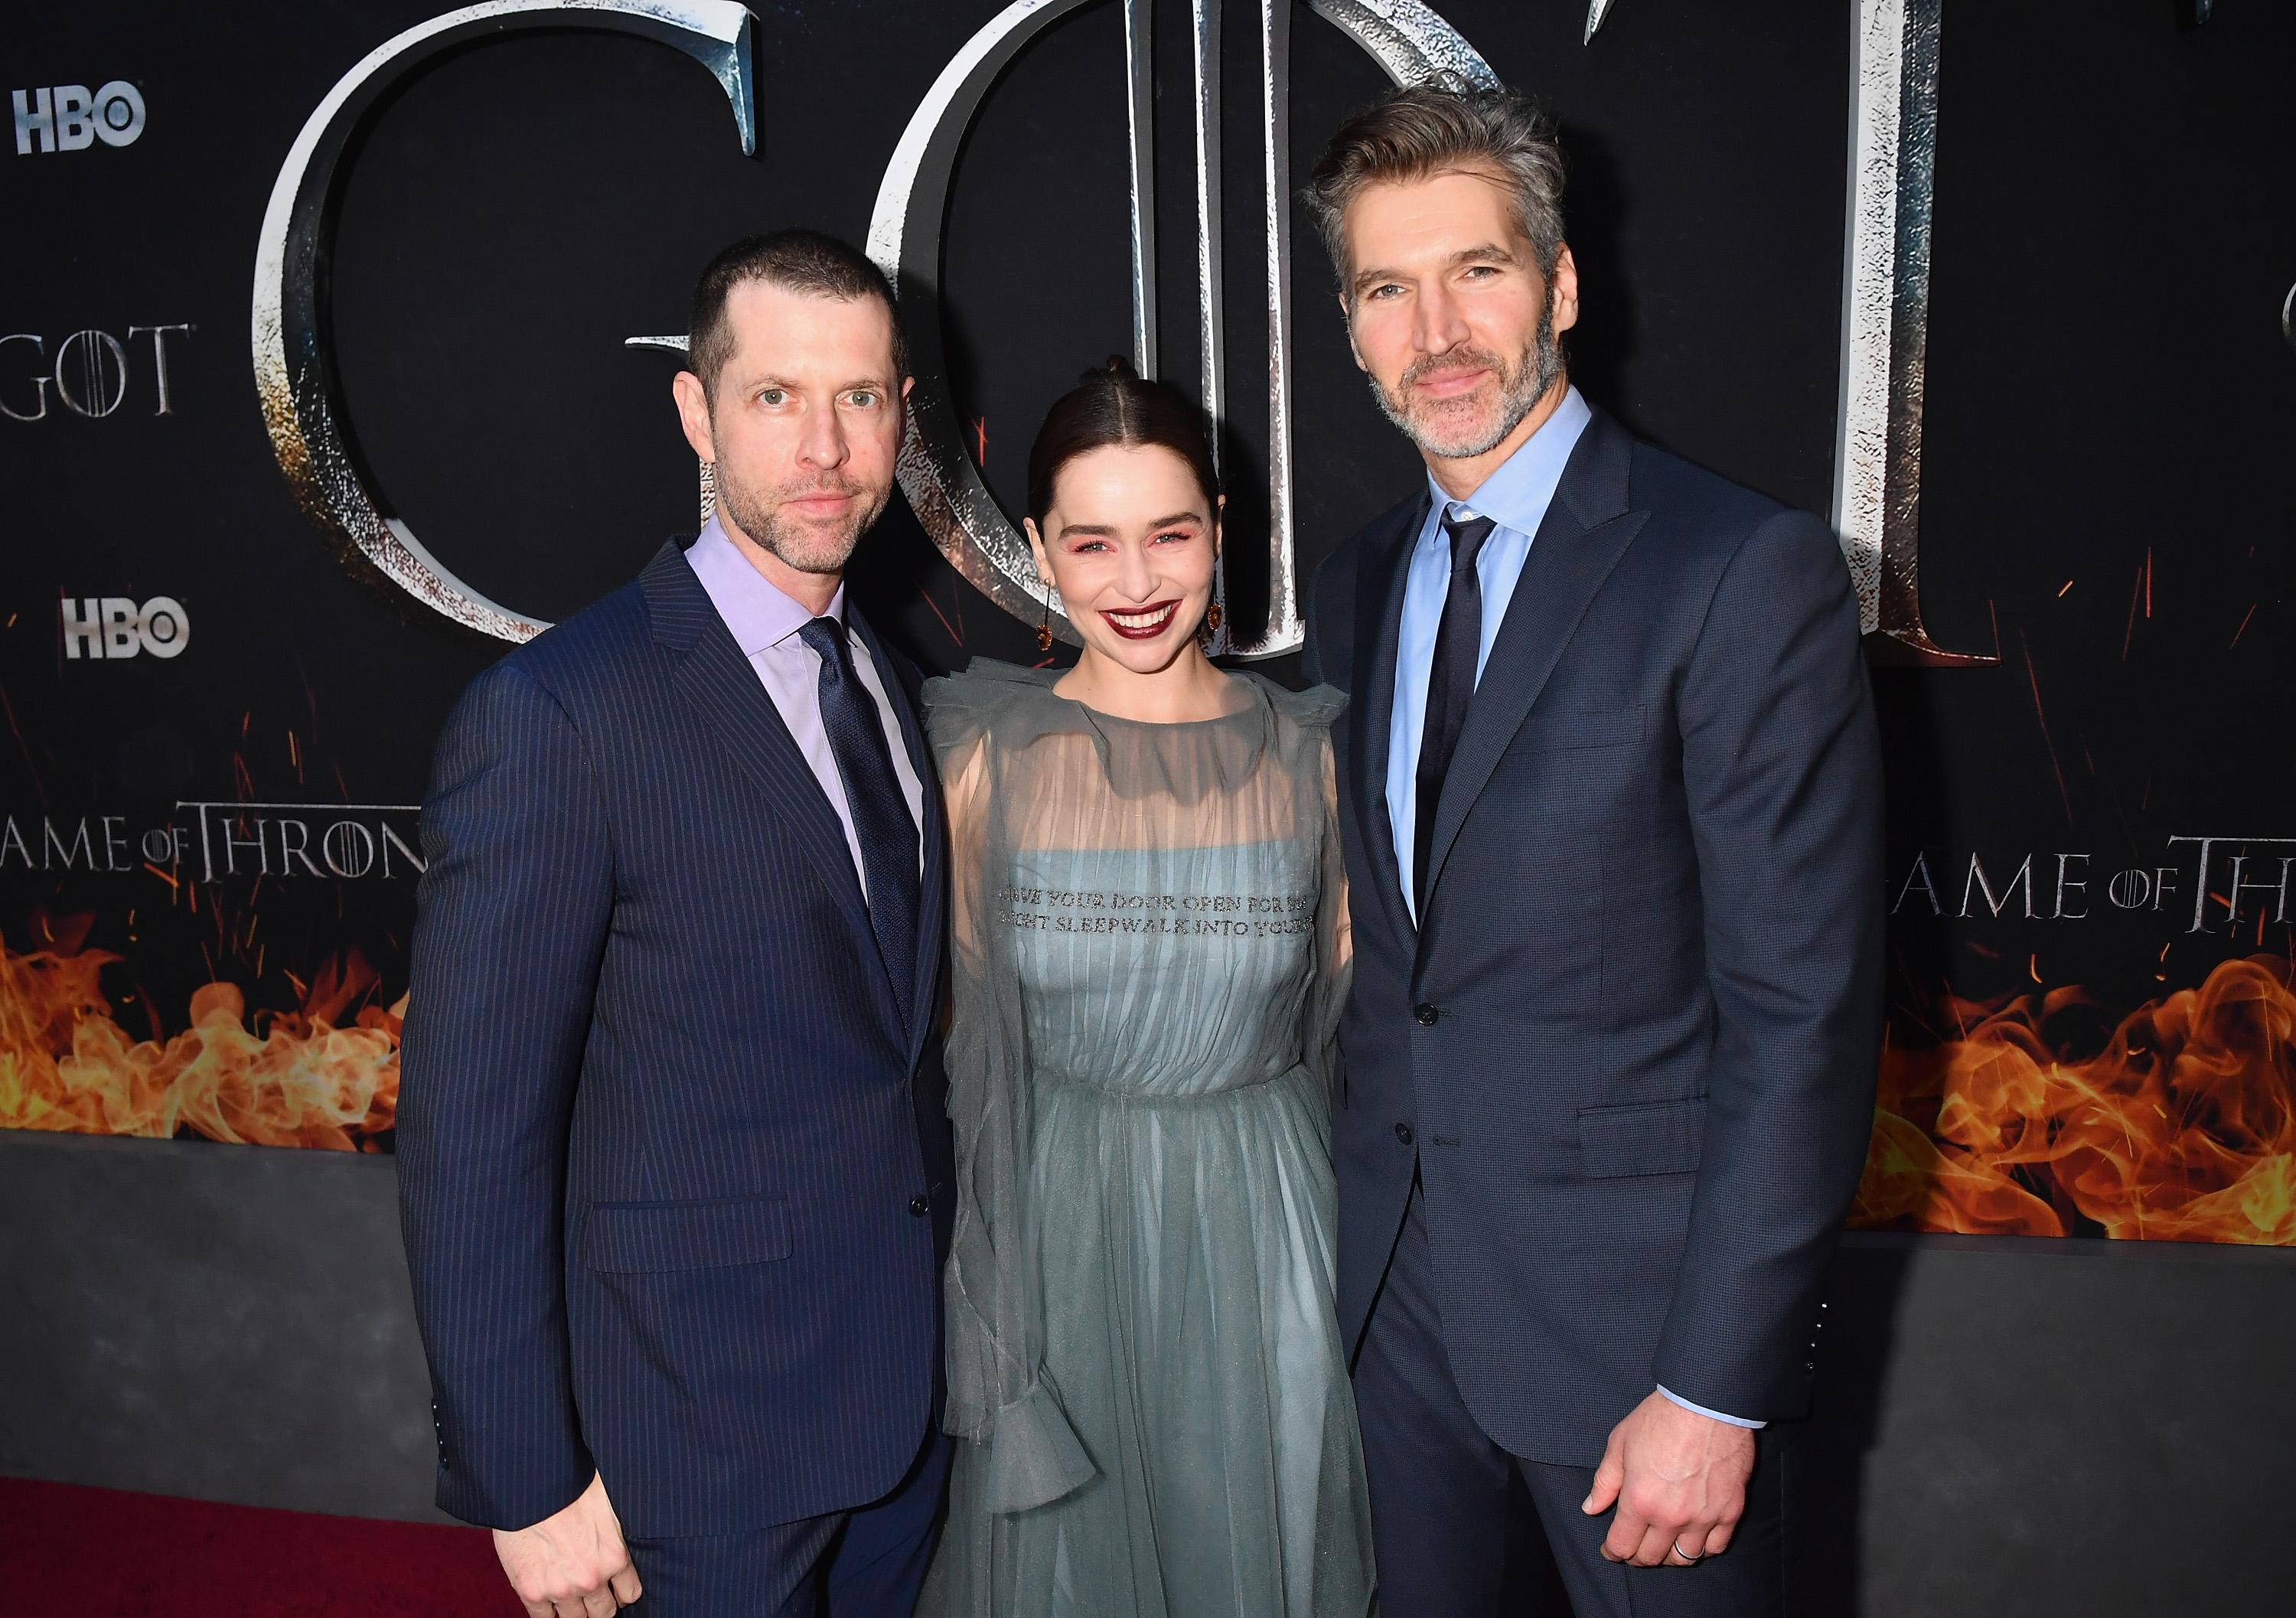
<point>1477,272</point>
<point>1378,294</point>
<point>1178,536</point>
<point>771,396</point>
<point>862,398</point>
<point>1085,547</point>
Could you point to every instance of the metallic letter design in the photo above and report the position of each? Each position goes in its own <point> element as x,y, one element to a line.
<point>1877,461</point>
<point>1410,42</point>
<point>294,376</point>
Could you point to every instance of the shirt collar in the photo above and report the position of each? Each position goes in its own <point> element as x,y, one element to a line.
<point>1517,495</point>
<point>757,613</point>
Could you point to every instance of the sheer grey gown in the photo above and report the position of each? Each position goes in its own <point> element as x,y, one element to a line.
<point>1151,945</point>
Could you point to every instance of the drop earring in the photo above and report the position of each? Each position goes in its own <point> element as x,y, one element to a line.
<point>1044,628</point>
<point>1215,612</point>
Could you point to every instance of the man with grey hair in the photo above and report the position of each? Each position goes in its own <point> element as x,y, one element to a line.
<point>1610,788</point>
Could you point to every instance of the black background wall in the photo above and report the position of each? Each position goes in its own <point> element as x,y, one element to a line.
<point>2043,1425</point>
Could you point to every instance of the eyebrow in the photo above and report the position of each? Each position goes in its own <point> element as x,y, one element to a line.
<point>1481,253</point>
<point>769,381</point>
<point>1107,531</point>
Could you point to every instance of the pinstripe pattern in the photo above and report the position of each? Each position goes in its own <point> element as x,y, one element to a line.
<point>658,1134</point>
<point>1653,953</point>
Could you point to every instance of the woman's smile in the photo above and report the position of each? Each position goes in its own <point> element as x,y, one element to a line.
<point>1142,623</point>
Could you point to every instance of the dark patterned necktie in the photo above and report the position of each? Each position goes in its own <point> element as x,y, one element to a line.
<point>1450,686</point>
<point>873,797</point>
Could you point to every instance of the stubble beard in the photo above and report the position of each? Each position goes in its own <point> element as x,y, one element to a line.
<point>1521,386</point>
<point>809,547</point>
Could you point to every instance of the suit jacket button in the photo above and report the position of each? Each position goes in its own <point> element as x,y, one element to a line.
<point>1403,1133</point>
<point>1426,1013</point>
<point>920,1206</point>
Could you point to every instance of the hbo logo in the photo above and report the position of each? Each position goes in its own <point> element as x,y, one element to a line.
<point>66,118</point>
<point>114,627</point>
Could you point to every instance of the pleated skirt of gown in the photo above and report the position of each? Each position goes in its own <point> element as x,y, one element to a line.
<point>1192,1340</point>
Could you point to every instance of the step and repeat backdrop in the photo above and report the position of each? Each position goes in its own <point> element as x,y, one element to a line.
<point>335,353</point>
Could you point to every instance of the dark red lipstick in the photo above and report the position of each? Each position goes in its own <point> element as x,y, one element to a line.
<point>1144,623</point>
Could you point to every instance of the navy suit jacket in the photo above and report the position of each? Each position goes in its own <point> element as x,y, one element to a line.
<point>1632,1049</point>
<point>660,1126</point>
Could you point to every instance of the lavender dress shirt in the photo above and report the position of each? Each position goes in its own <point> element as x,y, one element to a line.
<point>765,623</point>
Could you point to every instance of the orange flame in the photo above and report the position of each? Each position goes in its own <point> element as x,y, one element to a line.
<point>2183,1128</point>
<point>295,1079</point>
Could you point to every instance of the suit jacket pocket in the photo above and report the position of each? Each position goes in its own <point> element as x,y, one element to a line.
<point>1648,1138</point>
<point>1620,727</point>
<point>640,1238</point>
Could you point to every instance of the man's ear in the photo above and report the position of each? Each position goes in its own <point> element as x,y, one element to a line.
<point>693,415</point>
<point>1564,295</point>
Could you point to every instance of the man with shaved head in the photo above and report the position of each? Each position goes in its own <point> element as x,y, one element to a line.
<point>673,1146</point>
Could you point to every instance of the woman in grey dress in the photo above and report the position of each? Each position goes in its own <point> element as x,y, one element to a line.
<point>1151,947</point>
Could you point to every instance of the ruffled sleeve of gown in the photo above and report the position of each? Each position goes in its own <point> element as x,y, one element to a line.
<point>997,1393</point>
<point>1313,712</point>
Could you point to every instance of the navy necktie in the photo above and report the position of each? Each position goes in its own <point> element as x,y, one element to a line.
<point>1450,686</point>
<point>880,809</point>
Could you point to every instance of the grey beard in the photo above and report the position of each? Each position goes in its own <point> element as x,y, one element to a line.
<point>1520,388</point>
<point>806,551</point>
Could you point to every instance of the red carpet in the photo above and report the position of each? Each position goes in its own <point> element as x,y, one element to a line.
<point>96,1553</point>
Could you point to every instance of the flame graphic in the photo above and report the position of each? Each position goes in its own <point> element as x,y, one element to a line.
<point>294,1078</point>
<point>2182,1129</point>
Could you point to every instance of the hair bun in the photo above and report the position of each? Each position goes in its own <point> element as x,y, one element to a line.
<point>1117,369</point>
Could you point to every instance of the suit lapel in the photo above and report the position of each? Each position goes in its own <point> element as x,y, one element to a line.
<point>932,834</point>
<point>1383,572</point>
<point>1588,527</point>
<point>713,675</point>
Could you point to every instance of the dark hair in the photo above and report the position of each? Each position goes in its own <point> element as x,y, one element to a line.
<point>1422,130</point>
<point>806,261</point>
<point>1113,406</point>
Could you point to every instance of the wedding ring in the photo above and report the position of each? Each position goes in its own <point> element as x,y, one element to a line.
<point>1685,1556</point>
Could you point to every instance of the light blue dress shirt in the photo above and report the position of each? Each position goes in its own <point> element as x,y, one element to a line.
<point>1515,497</point>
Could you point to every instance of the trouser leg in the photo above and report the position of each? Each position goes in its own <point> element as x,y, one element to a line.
<point>1442,1491</point>
<point>1748,1581</point>
<point>877,1564</point>
<point>1448,1543</point>
<point>768,1573</point>
<point>866,1562</point>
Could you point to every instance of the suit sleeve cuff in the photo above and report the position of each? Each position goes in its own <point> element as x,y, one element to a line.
<point>1736,1421</point>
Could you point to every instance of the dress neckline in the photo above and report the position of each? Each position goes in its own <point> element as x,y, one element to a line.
<point>1254,699</point>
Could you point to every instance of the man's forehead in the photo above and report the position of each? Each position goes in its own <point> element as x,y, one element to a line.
<point>776,327</point>
<point>1428,209</point>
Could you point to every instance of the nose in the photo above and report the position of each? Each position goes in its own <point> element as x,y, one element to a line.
<point>1441,324</point>
<point>822,445</point>
<point>1135,579</point>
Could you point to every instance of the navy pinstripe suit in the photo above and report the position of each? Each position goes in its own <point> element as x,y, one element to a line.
<point>1630,1052</point>
<point>662,1132</point>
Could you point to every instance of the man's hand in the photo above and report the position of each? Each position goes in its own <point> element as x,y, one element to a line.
<point>1679,1481</point>
<point>573,1564</point>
